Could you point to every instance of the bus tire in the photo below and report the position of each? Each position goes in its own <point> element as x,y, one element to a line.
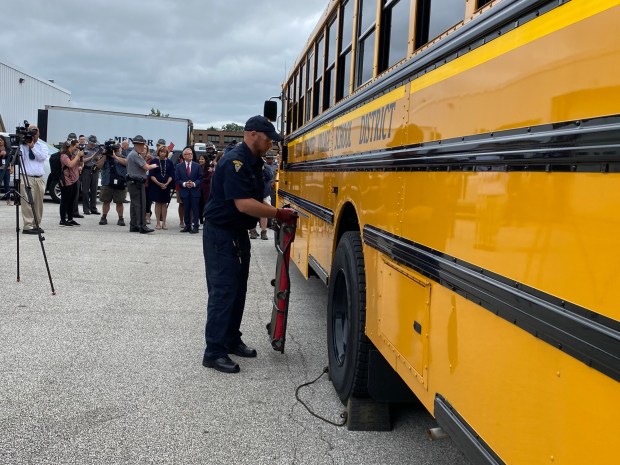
<point>347,344</point>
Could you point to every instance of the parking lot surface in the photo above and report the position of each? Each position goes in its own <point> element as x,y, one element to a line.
<point>108,370</point>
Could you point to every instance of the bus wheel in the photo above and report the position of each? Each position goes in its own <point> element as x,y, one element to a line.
<point>347,345</point>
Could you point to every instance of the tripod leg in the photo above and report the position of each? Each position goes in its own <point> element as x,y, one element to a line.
<point>27,190</point>
<point>15,193</point>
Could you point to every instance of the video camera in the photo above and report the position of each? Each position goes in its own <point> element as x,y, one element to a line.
<point>110,146</point>
<point>23,135</point>
<point>211,152</point>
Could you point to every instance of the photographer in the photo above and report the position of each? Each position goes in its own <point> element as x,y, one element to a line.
<point>70,159</point>
<point>113,166</point>
<point>34,154</point>
<point>76,201</point>
<point>90,177</point>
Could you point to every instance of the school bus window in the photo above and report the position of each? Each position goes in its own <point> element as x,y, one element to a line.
<point>346,41</point>
<point>435,17</point>
<point>330,51</point>
<point>394,33</point>
<point>295,87</point>
<point>344,75</point>
<point>320,59</point>
<point>481,3</point>
<point>320,63</point>
<point>328,88</point>
<point>330,60</point>
<point>289,107</point>
<point>367,14</point>
<point>444,15</point>
<point>310,80</point>
<point>302,79</point>
<point>346,24</point>
<point>302,94</point>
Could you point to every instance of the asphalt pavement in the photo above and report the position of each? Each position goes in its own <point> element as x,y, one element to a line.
<point>108,370</point>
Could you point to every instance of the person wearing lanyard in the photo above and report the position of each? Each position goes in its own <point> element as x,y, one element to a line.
<point>34,156</point>
<point>234,206</point>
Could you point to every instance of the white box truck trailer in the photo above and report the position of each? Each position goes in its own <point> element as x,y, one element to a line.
<point>56,123</point>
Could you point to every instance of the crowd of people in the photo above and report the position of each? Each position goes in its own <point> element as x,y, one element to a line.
<point>146,179</point>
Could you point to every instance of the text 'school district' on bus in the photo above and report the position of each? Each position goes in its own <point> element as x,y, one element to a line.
<point>456,164</point>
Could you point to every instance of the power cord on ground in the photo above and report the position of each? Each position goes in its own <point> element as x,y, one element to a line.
<point>343,415</point>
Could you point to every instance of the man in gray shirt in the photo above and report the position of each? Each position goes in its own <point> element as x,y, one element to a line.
<point>90,177</point>
<point>137,170</point>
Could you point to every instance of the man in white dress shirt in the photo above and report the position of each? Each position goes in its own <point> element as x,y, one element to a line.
<point>34,156</point>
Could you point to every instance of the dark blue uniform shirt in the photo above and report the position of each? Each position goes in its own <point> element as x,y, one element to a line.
<point>238,175</point>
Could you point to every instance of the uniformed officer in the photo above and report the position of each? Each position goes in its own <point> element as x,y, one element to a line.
<point>235,204</point>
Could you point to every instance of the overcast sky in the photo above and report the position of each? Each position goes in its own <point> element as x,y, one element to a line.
<point>212,61</point>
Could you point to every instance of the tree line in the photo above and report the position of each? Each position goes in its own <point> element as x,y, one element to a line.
<point>225,127</point>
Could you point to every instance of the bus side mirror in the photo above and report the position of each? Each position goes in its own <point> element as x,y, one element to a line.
<point>271,110</point>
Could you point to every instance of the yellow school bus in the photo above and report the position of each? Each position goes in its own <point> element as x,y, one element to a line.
<point>456,166</point>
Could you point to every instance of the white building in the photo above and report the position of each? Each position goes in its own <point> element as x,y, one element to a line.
<point>22,95</point>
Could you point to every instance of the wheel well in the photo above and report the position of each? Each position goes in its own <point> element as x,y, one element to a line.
<point>348,222</point>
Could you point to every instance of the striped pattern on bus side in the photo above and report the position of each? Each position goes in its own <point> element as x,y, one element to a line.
<point>579,146</point>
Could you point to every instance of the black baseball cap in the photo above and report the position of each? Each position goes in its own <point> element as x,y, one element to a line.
<point>92,139</point>
<point>262,124</point>
<point>138,140</point>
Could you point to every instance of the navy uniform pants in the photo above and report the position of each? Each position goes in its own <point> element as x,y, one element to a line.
<point>227,264</point>
<point>191,208</point>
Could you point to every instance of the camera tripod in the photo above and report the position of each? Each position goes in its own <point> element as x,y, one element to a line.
<point>20,175</point>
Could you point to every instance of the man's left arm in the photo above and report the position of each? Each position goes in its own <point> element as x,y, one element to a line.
<point>255,208</point>
<point>121,160</point>
<point>91,155</point>
<point>40,151</point>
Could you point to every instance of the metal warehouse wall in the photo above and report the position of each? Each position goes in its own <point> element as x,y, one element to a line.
<point>21,96</point>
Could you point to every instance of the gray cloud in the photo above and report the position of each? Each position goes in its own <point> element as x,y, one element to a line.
<point>211,61</point>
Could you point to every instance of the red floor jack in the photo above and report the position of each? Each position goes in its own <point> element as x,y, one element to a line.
<point>285,235</point>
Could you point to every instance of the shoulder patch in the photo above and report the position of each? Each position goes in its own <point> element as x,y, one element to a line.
<point>238,164</point>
